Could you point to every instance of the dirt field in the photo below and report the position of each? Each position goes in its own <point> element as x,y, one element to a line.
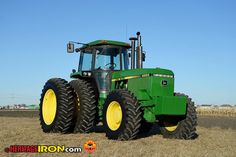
<point>223,122</point>
<point>216,140</point>
<point>19,113</point>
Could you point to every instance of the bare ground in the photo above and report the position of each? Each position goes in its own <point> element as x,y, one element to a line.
<point>19,113</point>
<point>212,141</point>
<point>224,122</point>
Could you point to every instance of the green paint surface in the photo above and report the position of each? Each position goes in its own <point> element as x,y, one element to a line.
<point>139,72</point>
<point>154,97</point>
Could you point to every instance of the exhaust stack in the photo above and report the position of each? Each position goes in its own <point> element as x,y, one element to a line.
<point>136,53</point>
<point>139,52</point>
<point>133,40</point>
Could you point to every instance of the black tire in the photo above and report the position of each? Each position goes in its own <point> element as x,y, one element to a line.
<point>145,127</point>
<point>131,115</point>
<point>87,109</point>
<point>186,126</point>
<point>63,121</point>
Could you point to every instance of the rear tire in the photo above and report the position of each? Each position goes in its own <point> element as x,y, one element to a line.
<point>127,120</point>
<point>56,108</point>
<point>86,105</point>
<point>185,127</point>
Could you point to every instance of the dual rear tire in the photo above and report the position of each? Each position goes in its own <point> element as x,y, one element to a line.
<point>67,107</point>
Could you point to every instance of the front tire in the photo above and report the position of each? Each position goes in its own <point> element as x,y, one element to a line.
<point>121,115</point>
<point>181,127</point>
<point>56,109</point>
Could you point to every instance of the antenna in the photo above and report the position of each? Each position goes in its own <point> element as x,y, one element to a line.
<point>126,38</point>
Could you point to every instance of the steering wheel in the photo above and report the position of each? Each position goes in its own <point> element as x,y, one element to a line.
<point>112,65</point>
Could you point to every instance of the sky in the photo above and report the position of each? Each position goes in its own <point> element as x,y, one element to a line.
<point>194,38</point>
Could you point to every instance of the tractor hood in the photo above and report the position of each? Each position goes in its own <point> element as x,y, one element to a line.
<point>134,73</point>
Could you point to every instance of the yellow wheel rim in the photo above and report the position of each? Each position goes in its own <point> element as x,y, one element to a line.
<point>49,106</point>
<point>170,126</point>
<point>114,115</point>
<point>78,103</point>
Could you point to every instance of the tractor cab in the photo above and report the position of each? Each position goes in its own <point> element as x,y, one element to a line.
<point>99,59</point>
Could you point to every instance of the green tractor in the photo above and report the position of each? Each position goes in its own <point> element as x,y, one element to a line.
<point>127,98</point>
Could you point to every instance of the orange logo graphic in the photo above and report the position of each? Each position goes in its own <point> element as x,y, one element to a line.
<point>90,146</point>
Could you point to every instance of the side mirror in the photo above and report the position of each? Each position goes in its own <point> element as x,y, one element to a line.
<point>70,47</point>
<point>143,57</point>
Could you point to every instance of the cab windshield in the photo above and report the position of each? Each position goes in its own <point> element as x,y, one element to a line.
<point>109,58</point>
<point>104,58</point>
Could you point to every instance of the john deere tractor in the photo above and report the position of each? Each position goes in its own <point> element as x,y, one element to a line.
<point>111,86</point>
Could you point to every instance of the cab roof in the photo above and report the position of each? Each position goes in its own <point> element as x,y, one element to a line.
<point>105,42</point>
